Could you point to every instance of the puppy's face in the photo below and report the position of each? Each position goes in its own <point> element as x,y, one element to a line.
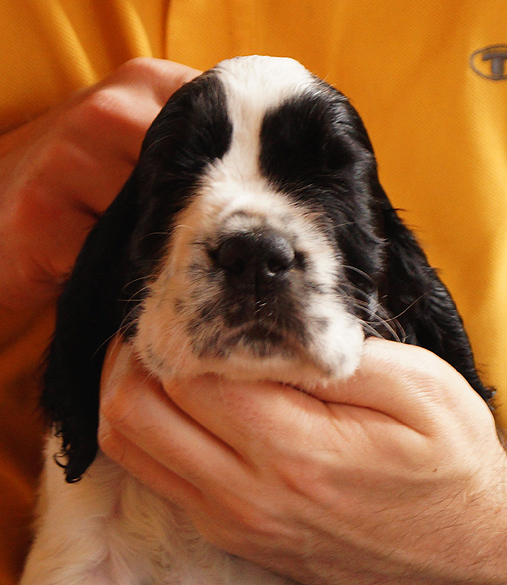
<point>252,281</point>
<point>253,240</point>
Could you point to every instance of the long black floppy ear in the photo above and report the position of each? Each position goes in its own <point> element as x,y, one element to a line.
<point>421,303</point>
<point>412,294</point>
<point>88,316</point>
<point>121,254</point>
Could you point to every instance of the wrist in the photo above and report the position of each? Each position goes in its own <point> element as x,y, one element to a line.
<point>470,545</point>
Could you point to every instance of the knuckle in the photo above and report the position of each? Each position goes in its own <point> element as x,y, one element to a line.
<point>119,113</point>
<point>113,408</point>
<point>104,107</point>
<point>148,70</point>
<point>255,515</point>
<point>113,411</point>
<point>57,153</point>
<point>111,444</point>
<point>136,68</point>
<point>105,435</point>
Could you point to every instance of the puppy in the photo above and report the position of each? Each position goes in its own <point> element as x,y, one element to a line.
<point>254,241</point>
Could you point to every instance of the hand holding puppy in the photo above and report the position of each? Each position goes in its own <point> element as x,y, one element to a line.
<point>59,172</point>
<point>394,476</point>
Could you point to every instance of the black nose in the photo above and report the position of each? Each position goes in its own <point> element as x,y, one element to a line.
<point>262,255</point>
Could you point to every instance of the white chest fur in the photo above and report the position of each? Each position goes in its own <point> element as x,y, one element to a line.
<point>109,529</point>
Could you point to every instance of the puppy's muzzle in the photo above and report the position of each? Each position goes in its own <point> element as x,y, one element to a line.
<point>257,270</point>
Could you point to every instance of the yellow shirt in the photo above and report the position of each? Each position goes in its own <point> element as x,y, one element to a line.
<point>434,102</point>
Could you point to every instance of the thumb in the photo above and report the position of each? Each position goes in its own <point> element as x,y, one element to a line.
<point>408,383</point>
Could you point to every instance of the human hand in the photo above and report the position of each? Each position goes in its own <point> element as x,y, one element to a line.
<point>59,172</point>
<point>394,476</point>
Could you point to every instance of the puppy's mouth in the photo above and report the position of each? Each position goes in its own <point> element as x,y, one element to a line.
<point>259,332</point>
<point>260,340</point>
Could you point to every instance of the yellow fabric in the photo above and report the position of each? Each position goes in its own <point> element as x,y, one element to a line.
<point>53,47</point>
<point>439,130</point>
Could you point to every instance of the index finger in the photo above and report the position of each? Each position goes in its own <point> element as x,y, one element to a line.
<point>405,383</point>
<point>161,76</point>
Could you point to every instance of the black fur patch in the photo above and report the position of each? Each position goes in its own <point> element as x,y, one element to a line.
<point>120,256</point>
<point>315,148</point>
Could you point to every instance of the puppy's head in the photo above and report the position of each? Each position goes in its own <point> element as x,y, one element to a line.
<point>253,240</point>
<point>251,276</point>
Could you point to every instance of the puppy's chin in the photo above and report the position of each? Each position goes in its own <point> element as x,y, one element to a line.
<point>304,374</point>
<point>317,365</point>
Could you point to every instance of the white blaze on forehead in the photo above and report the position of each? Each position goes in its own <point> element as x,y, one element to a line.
<point>254,85</point>
<point>264,81</point>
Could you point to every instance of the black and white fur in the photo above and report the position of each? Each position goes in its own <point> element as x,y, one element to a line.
<point>253,240</point>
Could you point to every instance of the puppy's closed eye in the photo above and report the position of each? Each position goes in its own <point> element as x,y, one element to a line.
<point>253,241</point>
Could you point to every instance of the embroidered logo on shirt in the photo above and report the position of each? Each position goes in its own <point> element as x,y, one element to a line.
<point>490,62</point>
